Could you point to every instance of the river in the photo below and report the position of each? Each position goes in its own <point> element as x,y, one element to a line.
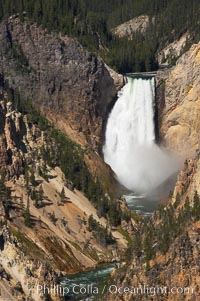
<point>86,285</point>
<point>141,205</point>
<point>90,282</point>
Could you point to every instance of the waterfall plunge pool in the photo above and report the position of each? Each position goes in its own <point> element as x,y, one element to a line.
<point>141,205</point>
<point>131,150</point>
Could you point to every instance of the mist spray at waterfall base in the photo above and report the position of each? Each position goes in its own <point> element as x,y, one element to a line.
<point>130,148</point>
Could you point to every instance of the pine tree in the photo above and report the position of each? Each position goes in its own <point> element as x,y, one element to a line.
<point>196,206</point>
<point>27,216</point>
<point>32,179</point>
<point>62,194</point>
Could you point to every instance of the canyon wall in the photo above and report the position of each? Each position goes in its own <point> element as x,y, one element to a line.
<point>165,254</point>
<point>57,236</point>
<point>71,86</point>
<point>178,267</point>
<point>178,101</point>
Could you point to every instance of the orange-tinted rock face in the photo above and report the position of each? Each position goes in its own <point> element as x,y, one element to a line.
<point>10,157</point>
<point>179,104</point>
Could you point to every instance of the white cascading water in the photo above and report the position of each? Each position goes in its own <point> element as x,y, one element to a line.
<point>130,147</point>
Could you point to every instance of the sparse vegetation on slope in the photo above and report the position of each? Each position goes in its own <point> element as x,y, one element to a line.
<point>165,248</point>
<point>63,152</point>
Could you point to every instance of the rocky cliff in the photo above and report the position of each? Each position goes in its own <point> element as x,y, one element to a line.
<point>47,218</point>
<point>163,262</point>
<point>173,50</point>
<point>129,28</point>
<point>179,104</point>
<point>21,274</point>
<point>73,88</point>
<point>68,84</point>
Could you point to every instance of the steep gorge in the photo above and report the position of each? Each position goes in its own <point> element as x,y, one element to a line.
<point>165,249</point>
<point>163,262</point>
<point>54,71</point>
<point>44,220</point>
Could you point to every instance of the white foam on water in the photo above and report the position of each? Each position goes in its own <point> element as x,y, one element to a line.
<point>130,148</point>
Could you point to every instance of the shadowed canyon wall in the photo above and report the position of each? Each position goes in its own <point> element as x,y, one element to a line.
<point>71,86</point>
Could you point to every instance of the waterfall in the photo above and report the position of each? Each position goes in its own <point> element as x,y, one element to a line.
<point>130,147</point>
